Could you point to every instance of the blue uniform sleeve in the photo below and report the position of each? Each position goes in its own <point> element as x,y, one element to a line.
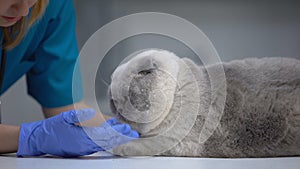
<point>50,80</point>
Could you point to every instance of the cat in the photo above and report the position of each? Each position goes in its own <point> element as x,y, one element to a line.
<point>167,99</point>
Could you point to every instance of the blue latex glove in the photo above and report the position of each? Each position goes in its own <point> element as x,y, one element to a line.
<point>60,136</point>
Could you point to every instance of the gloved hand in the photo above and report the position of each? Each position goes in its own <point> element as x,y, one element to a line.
<point>59,135</point>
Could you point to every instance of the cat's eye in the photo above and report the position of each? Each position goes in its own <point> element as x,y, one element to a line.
<point>145,72</point>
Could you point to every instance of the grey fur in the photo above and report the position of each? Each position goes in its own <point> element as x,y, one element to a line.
<point>261,117</point>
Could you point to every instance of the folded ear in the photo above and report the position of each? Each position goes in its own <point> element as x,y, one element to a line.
<point>148,63</point>
<point>147,68</point>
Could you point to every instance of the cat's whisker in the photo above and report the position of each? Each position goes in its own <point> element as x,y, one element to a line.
<point>107,84</point>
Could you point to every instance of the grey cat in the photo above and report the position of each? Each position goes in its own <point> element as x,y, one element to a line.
<point>167,99</point>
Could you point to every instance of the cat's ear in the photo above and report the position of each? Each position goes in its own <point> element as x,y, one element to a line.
<point>147,66</point>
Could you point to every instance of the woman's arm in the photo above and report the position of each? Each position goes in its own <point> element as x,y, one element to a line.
<point>49,112</point>
<point>9,135</point>
<point>9,138</point>
<point>95,121</point>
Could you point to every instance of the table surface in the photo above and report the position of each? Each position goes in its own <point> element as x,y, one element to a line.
<point>110,162</point>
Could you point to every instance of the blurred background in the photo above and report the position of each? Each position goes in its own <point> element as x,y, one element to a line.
<point>237,29</point>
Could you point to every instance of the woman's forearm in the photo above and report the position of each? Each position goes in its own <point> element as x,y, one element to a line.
<point>97,120</point>
<point>9,138</point>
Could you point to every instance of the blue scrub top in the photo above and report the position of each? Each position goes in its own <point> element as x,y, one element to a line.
<point>48,55</point>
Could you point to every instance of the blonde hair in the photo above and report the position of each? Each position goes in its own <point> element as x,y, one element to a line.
<point>14,34</point>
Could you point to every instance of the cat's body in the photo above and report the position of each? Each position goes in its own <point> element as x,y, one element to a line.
<point>261,117</point>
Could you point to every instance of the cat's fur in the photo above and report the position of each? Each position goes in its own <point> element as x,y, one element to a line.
<point>261,116</point>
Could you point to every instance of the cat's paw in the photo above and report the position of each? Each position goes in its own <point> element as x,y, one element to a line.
<point>128,149</point>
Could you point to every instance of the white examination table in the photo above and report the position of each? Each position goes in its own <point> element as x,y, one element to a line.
<point>109,162</point>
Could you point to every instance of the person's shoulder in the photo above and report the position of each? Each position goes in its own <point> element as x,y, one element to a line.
<point>57,7</point>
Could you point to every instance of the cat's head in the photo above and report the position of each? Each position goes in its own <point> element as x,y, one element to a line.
<point>142,89</point>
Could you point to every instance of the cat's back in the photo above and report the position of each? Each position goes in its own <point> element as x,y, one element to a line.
<point>259,70</point>
<point>262,107</point>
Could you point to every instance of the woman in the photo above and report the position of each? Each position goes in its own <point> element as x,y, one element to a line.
<point>38,38</point>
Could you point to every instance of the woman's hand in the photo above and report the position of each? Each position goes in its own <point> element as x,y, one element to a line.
<point>59,135</point>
